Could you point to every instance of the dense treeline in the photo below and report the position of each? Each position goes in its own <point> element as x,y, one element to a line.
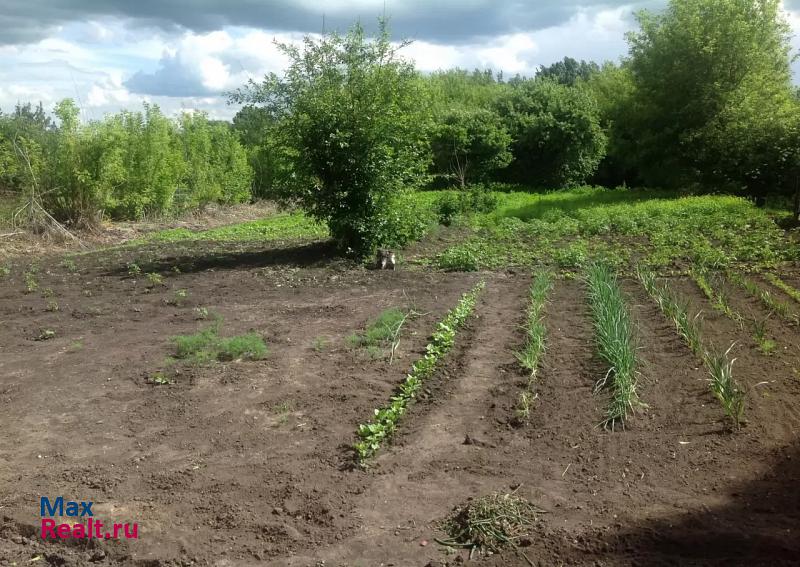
<point>126,166</point>
<point>703,101</point>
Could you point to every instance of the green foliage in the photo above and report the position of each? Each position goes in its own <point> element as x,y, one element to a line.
<point>789,290</point>
<point>558,140</point>
<point>373,434</point>
<point>453,204</point>
<point>469,145</point>
<point>615,341</point>
<point>713,99</point>
<point>458,259</point>
<point>217,169</point>
<point>349,113</point>
<point>568,71</point>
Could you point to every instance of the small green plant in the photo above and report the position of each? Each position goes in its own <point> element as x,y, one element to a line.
<point>46,335</point>
<point>524,403</point>
<point>792,292</point>
<point>155,278</point>
<point>201,313</point>
<point>374,433</point>
<point>52,305</point>
<point>70,265</point>
<point>161,379</point>
<point>31,283</point>
<point>207,346</point>
<point>765,344</point>
<point>688,327</point>
<point>178,297</point>
<point>320,344</point>
<point>4,271</point>
<point>75,346</point>
<point>614,334</point>
<point>725,387</point>
<point>48,292</point>
<point>133,269</point>
<point>283,409</point>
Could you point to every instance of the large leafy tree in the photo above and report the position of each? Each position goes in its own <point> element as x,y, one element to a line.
<point>468,145</point>
<point>349,113</point>
<point>712,94</point>
<point>558,140</point>
<point>568,71</point>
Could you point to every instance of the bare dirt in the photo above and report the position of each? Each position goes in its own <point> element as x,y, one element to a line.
<point>249,462</point>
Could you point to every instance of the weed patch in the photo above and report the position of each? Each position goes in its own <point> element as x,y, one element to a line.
<point>207,346</point>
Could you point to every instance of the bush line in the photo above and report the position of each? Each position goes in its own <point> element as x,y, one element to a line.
<point>535,334</point>
<point>615,342</point>
<point>373,434</point>
<point>720,365</point>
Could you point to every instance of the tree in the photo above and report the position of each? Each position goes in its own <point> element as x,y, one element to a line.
<point>612,87</point>
<point>349,112</point>
<point>705,73</point>
<point>256,129</point>
<point>468,145</point>
<point>558,140</point>
<point>568,71</point>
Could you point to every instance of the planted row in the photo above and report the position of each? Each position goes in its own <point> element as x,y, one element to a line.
<point>373,434</point>
<point>770,301</point>
<point>615,342</point>
<point>720,365</point>
<point>535,333</point>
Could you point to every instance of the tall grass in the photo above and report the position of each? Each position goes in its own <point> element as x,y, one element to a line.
<point>535,334</point>
<point>615,341</point>
<point>720,366</point>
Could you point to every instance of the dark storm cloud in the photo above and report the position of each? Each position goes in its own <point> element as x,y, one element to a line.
<point>23,21</point>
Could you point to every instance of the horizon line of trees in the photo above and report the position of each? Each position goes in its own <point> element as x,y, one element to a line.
<point>703,101</point>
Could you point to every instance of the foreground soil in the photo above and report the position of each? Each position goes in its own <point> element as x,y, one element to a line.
<point>249,462</point>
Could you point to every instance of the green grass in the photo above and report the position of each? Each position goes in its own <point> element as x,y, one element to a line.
<point>572,228</point>
<point>207,346</point>
<point>382,331</point>
<point>616,343</point>
<point>282,226</point>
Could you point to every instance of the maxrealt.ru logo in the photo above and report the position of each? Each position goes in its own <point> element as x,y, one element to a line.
<point>88,528</point>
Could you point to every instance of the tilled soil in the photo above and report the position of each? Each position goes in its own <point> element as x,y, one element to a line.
<point>249,462</point>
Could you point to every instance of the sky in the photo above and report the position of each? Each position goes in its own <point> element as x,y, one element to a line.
<point>185,54</point>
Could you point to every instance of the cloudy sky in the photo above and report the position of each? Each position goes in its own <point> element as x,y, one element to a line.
<point>182,54</point>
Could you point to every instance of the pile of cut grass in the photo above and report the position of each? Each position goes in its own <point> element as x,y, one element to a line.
<point>488,524</point>
<point>614,334</point>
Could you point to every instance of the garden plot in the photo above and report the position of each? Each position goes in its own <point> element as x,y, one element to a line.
<point>248,457</point>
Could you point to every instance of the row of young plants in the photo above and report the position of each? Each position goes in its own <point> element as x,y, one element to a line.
<point>374,433</point>
<point>616,344</point>
<point>789,290</point>
<point>767,298</point>
<point>712,287</point>
<point>535,335</point>
<point>720,365</point>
